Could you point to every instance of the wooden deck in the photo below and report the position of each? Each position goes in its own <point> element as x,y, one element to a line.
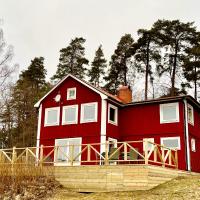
<point>128,166</point>
<point>114,178</point>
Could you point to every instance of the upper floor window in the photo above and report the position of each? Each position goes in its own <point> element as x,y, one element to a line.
<point>71,93</point>
<point>89,112</point>
<point>70,114</point>
<point>190,114</point>
<point>112,114</point>
<point>52,116</point>
<point>169,113</point>
<point>171,142</point>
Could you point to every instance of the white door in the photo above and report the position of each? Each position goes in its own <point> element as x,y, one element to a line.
<point>67,149</point>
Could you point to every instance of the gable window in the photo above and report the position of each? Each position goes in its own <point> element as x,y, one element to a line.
<point>149,145</point>
<point>193,145</point>
<point>171,142</point>
<point>112,114</point>
<point>190,114</point>
<point>71,93</point>
<point>89,112</point>
<point>70,114</point>
<point>169,113</point>
<point>52,116</point>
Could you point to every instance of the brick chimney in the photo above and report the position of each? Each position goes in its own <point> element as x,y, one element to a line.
<point>125,94</point>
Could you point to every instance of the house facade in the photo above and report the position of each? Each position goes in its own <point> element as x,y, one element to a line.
<point>75,112</point>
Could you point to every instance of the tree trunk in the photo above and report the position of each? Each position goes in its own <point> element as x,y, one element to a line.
<point>172,93</point>
<point>147,73</point>
<point>195,83</point>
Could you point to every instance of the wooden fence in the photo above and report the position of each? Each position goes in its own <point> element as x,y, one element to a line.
<point>131,152</point>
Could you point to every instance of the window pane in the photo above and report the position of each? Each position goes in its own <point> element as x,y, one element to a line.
<point>75,148</point>
<point>172,143</point>
<point>89,112</point>
<point>71,93</point>
<point>112,114</point>
<point>70,114</point>
<point>52,116</point>
<point>169,113</point>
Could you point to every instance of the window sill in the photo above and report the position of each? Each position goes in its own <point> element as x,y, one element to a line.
<point>113,123</point>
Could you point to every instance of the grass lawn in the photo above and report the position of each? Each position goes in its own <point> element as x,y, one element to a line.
<point>187,188</point>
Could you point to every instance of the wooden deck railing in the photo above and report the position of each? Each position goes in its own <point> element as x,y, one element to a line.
<point>131,152</point>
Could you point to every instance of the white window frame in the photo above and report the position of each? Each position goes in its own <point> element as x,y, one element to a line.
<point>193,144</point>
<point>171,138</point>
<point>64,113</point>
<point>116,114</point>
<point>150,140</point>
<point>46,116</point>
<point>192,120</point>
<point>68,92</point>
<point>162,121</point>
<point>82,112</point>
<point>67,160</point>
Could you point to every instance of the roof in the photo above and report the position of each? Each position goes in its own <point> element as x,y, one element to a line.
<point>166,99</point>
<point>104,94</point>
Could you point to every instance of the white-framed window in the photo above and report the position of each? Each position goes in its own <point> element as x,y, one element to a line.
<point>190,114</point>
<point>67,148</point>
<point>89,112</point>
<point>112,114</point>
<point>149,145</point>
<point>169,113</point>
<point>71,93</point>
<point>193,145</point>
<point>70,114</point>
<point>52,116</point>
<point>171,142</point>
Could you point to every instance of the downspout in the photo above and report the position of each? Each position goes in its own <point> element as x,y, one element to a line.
<point>38,132</point>
<point>186,131</point>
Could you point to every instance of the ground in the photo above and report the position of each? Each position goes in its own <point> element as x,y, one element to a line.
<point>183,188</point>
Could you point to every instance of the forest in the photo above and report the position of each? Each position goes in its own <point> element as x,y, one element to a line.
<point>162,61</point>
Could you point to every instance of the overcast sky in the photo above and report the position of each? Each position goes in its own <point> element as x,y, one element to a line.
<point>43,27</point>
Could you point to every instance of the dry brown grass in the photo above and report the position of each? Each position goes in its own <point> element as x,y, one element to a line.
<point>26,182</point>
<point>181,188</point>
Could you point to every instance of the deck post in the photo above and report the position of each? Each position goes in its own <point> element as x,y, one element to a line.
<point>146,152</point>
<point>106,153</point>
<point>176,159</point>
<point>13,155</point>
<point>41,155</point>
<point>125,151</point>
<point>89,152</point>
<point>26,156</point>
<point>72,154</point>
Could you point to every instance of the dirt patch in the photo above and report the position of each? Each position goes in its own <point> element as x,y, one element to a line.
<point>27,188</point>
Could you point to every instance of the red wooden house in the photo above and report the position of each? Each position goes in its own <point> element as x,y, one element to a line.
<point>75,112</point>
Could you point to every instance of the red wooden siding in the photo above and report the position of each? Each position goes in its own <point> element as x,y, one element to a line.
<point>143,121</point>
<point>90,132</point>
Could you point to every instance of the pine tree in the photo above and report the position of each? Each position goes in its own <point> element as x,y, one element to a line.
<point>19,117</point>
<point>72,60</point>
<point>191,68</point>
<point>98,67</point>
<point>120,64</point>
<point>35,73</point>
<point>175,36</point>
<point>146,53</point>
